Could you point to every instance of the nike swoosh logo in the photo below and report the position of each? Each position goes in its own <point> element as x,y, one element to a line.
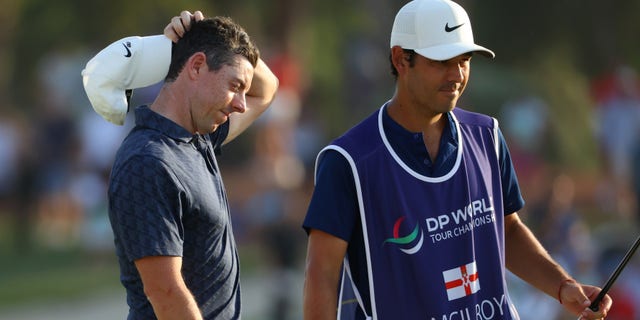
<point>449,29</point>
<point>128,51</point>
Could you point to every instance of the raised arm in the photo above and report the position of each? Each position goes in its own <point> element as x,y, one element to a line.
<point>263,86</point>
<point>263,89</point>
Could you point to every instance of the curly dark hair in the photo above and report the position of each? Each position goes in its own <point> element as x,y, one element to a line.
<point>220,38</point>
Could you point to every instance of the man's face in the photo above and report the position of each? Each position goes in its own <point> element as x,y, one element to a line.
<point>221,93</point>
<point>438,85</point>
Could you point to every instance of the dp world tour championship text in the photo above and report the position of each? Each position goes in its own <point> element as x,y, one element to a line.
<point>461,221</point>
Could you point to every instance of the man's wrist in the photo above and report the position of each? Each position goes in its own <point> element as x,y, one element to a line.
<point>562,284</point>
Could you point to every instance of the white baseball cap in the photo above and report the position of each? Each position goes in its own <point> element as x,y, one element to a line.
<point>436,29</point>
<point>129,63</point>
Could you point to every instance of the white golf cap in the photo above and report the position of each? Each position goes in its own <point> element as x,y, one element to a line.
<point>129,63</point>
<point>435,29</point>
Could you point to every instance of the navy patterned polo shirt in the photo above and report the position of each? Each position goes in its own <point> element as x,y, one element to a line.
<point>166,198</point>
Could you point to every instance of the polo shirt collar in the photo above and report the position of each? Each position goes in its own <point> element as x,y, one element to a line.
<point>148,118</point>
<point>413,143</point>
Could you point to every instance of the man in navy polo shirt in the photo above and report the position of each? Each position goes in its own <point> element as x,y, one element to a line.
<point>414,211</point>
<point>167,203</point>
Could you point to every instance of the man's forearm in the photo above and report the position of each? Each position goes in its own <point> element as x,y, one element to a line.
<point>264,83</point>
<point>176,303</point>
<point>325,253</point>
<point>528,259</point>
<point>260,95</point>
<point>319,301</point>
<point>165,288</point>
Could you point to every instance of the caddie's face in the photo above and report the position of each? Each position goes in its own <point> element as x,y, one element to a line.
<point>222,93</point>
<point>438,84</point>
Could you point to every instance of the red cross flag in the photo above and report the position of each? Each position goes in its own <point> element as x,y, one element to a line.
<point>461,281</point>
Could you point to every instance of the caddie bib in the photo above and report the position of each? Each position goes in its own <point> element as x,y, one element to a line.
<point>434,245</point>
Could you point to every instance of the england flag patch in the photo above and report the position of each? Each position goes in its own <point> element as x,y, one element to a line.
<point>461,281</point>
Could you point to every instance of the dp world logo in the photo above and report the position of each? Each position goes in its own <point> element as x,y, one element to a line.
<point>408,243</point>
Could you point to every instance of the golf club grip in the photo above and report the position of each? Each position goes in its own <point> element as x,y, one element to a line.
<point>596,302</point>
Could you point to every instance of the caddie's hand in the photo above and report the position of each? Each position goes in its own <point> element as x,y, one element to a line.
<point>181,24</point>
<point>577,297</point>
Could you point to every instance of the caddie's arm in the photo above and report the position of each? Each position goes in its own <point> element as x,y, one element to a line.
<point>528,259</point>
<point>263,85</point>
<point>325,254</point>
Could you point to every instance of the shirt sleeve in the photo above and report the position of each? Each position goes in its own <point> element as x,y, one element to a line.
<point>145,209</point>
<point>334,206</point>
<point>512,197</point>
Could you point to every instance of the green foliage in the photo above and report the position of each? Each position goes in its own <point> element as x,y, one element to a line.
<point>566,90</point>
<point>599,32</point>
<point>45,27</point>
<point>549,48</point>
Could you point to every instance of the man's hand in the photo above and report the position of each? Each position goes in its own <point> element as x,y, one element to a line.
<point>577,297</point>
<point>181,24</point>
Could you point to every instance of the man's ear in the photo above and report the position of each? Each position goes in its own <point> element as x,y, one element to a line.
<point>399,59</point>
<point>196,64</point>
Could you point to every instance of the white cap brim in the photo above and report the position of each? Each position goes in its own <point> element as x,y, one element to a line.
<point>451,50</point>
<point>129,63</point>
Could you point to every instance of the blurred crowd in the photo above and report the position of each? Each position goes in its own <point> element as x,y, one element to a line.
<point>54,167</point>
<point>587,220</point>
